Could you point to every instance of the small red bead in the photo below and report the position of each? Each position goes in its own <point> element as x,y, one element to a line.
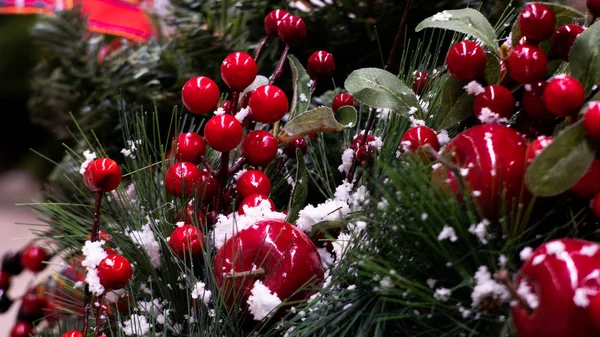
<point>291,30</point>
<point>273,19</point>
<point>72,333</point>
<point>591,121</point>
<point>22,329</point>
<point>114,272</point>
<point>466,61</point>
<point>536,147</point>
<point>321,64</point>
<point>296,143</point>
<point>589,184</point>
<point>259,147</point>
<point>254,200</point>
<point>102,236</point>
<point>200,95</point>
<point>207,187</point>
<point>417,137</point>
<point>33,258</point>
<point>226,106</point>
<point>595,205</point>
<point>563,39</point>
<point>268,104</point>
<point>186,239</point>
<point>527,64</point>
<point>223,132</point>
<point>190,146</point>
<point>341,100</point>
<point>187,214</point>
<point>182,179</point>
<point>4,280</point>
<point>253,182</point>
<point>532,102</point>
<point>536,22</point>
<point>358,140</point>
<point>564,96</point>
<point>419,82</point>
<point>238,71</point>
<point>32,304</point>
<point>496,98</point>
<point>102,175</point>
<point>365,155</point>
<point>594,7</point>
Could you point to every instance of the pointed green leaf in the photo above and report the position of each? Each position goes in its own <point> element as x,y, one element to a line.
<point>467,21</point>
<point>584,61</point>
<point>492,69</point>
<point>301,84</point>
<point>300,191</point>
<point>378,88</point>
<point>456,104</point>
<point>320,119</point>
<point>562,163</point>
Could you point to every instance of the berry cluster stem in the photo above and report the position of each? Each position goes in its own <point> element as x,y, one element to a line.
<point>279,69</point>
<point>503,277</point>
<point>237,166</point>
<point>261,47</point>
<point>87,296</point>
<point>98,315</point>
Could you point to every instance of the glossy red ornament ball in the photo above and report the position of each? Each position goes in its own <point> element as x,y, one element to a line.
<point>259,147</point>
<point>253,182</point>
<point>272,21</point>
<point>200,95</point>
<point>532,102</point>
<point>185,240</point>
<point>466,61</point>
<point>594,7</point>
<point>321,64</point>
<point>564,96</point>
<point>22,329</point>
<point>238,71</point>
<point>591,121</point>
<point>341,100</point>
<point>358,140</point>
<point>114,272</point>
<point>296,143</point>
<point>102,175</point>
<point>182,179</point>
<point>589,184</point>
<point>527,64</point>
<point>496,98</point>
<point>417,137</point>
<point>563,39</point>
<point>536,147</point>
<point>254,200</point>
<point>4,280</point>
<point>291,30</point>
<point>536,22</point>
<point>207,187</point>
<point>33,258</point>
<point>268,104</point>
<point>419,82</point>
<point>188,213</point>
<point>223,132</point>
<point>72,333</point>
<point>190,146</point>
<point>595,205</point>
<point>365,155</point>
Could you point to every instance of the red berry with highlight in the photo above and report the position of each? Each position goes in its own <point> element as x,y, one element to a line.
<point>594,7</point>
<point>259,147</point>
<point>496,98</point>
<point>22,329</point>
<point>72,333</point>
<point>4,280</point>
<point>188,213</point>
<point>419,82</point>
<point>341,100</point>
<point>365,155</point>
<point>254,200</point>
<point>591,121</point>
<point>34,258</point>
<point>589,184</point>
<point>358,141</point>
<point>466,61</point>
<point>182,179</point>
<point>536,147</point>
<point>564,96</point>
<point>253,182</point>
<point>536,22</point>
<point>268,104</point>
<point>223,132</point>
<point>296,143</point>
<point>321,64</point>
<point>272,21</point>
<point>190,146</point>
<point>200,95</point>
<point>563,39</point>
<point>207,187</point>
<point>417,137</point>
<point>291,30</point>
<point>102,175</point>
<point>238,71</point>
<point>532,102</point>
<point>527,64</point>
<point>186,239</point>
<point>114,272</point>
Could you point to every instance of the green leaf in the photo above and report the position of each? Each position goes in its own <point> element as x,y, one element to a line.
<point>320,119</point>
<point>301,84</point>
<point>492,69</point>
<point>456,104</point>
<point>466,21</point>
<point>378,88</point>
<point>584,61</point>
<point>562,163</point>
<point>300,191</point>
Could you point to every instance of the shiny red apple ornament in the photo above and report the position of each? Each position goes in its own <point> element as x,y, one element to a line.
<point>186,240</point>
<point>102,175</point>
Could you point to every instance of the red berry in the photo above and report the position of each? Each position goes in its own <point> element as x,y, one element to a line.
<point>182,179</point>
<point>417,137</point>
<point>321,64</point>
<point>563,39</point>
<point>532,102</point>
<point>114,272</point>
<point>188,214</point>
<point>125,303</point>
<point>536,147</point>
<point>32,304</point>
<point>254,200</point>
<point>594,7</point>
<point>4,280</point>
<point>190,146</point>
<point>536,22</point>
<point>466,61</point>
<point>102,175</point>
<point>527,64</point>
<point>259,147</point>
<point>186,239</point>
<point>358,140</point>
<point>223,132</point>
<point>591,121</point>
<point>296,143</point>
<point>595,205</point>
<point>291,30</point>
<point>227,106</point>
<point>238,71</point>
<point>589,184</point>
<point>102,236</point>
<point>564,96</point>
<point>496,98</point>
<point>207,187</point>
<point>273,19</point>
<point>419,82</point>
<point>72,333</point>
<point>253,182</point>
<point>22,329</point>
<point>366,155</point>
<point>33,258</point>
<point>200,95</point>
<point>342,99</point>
<point>268,104</point>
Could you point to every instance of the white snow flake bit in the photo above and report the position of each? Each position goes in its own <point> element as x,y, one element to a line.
<point>474,88</point>
<point>242,114</point>
<point>129,152</point>
<point>329,210</point>
<point>508,41</point>
<point>525,291</point>
<point>238,174</point>
<point>436,166</point>
<point>476,194</point>
<point>219,112</point>
<point>581,298</point>
<point>424,216</point>
<point>144,238</point>
<point>377,143</point>
<point>385,284</point>
<point>262,301</point>
<point>527,87</point>
<point>442,16</point>
<point>309,84</point>
<point>525,253</point>
<point>431,283</point>
<point>347,306</point>
<point>555,248</point>
<point>347,159</point>
<point>464,311</point>
<point>486,287</point>
<point>351,287</point>
<point>487,116</point>
<point>538,259</point>
<point>89,157</point>
<point>412,110</point>
<point>94,254</point>
<point>180,224</point>
<point>137,325</point>
<point>326,258</point>
<point>480,230</point>
<point>202,293</point>
<point>340,246</point>
<point>415,122</point>
<point>303,98</point>
<point>443,137</point>
<point>589,250</point>
<point>383,113</point>
<point>502,260</point>
<point>447,233</point>
<point>442,294</point>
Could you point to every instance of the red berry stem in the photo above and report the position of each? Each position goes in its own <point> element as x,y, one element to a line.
<point>221,177</point>
<point>235,96</point>
<point>87,296</point>
<point>399,39</point>
<point>98,314</point>
<point>237,166</point>
<point>207,164</point>
<point>261,47</point>
<point>279,69</point>
<point>234,275</point>
<point>503,277</point>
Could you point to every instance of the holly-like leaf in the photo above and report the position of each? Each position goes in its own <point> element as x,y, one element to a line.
<point>320,119</point>
<point>562,163</point>
<point>584,61</point>
<point>456,104</point>
<point>300,191</point>
<point>301,84</point>
<point>492,70</point>
<point>467,21</point>
<point>378,88</point>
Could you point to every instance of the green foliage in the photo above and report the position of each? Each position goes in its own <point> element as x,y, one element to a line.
<point>456,104</point>
<point>301,87</point>
<point>319,120</point>
<point>584,60</point>
<point>300,189</point>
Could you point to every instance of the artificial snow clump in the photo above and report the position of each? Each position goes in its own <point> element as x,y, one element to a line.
<point>589,250</point>
<point>447,233</point>
<point>145,239</point>
<point>347,160</point>
<point>480,230</point>
<point>442,294</point>
<point>238,174</point>
<point>89,157</point>
<point>526,253</point>
<point>555,248</point>
<point>341,245</point>
<point>219,112</point>
<point>443,137</point>
<point>525,292</point>
<point>242,114</point>
<point>581,298</point>
<point>262,301</point>
<point>94,254</point>
<point>136,325</point>
<point>486,287</point>
<point>200,292</point>
<point>538,259</point>
<point>487,116</point>
<point>130,152</point>
<point>442,16</point>
<point>474,88</point>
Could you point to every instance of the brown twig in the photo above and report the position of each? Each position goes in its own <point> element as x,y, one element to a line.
<point>98,315</point>
<point>208,166</point>
<point>503,277</point>
<point>233,275</point>
<point>237,166</point>
<point>235,96</point>
<point>279,69</point>
<point>399,39</point>
<point>87,296</point>
<point>261,47</point>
